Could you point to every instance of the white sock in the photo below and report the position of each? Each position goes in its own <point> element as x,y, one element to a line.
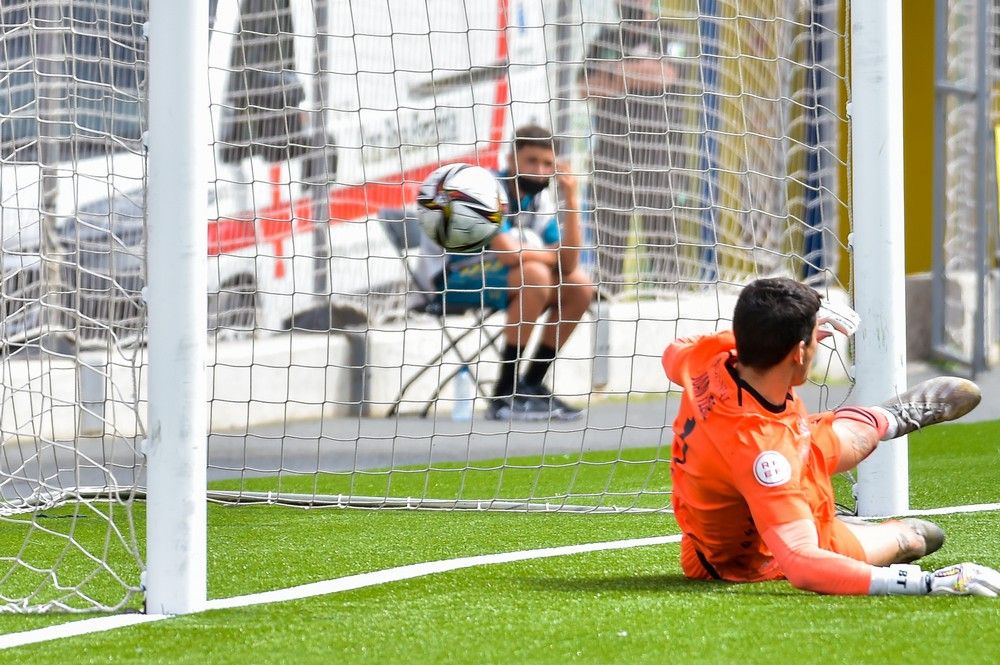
<point>890,433</point>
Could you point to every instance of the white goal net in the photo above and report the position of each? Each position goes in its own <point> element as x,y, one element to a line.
<point>331,373</point>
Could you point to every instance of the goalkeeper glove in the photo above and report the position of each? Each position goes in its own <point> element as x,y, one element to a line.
<point>963,579</point>
<point>834,317</point>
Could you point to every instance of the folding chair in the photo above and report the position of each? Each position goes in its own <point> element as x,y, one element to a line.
<point>405,232</point>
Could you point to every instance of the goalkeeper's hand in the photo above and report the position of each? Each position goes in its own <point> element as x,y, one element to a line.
<point>965,579</point>
<point>840,318</point>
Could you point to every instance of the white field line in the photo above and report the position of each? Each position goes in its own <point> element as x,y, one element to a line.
<point>972,508</point>
<point>74,628</point>
<point>349,583</point>
<point>420,569</point>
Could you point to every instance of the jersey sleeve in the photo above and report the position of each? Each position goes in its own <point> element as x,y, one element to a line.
<point>674,358</point>
<point>677,355</point>
<point>767,472</point>
<point>807,566</point>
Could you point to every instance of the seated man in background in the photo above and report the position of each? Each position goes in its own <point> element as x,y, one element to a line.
<point>529,269</point>
<point>752,470</point>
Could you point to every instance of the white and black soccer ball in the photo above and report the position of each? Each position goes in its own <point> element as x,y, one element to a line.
<point>461,207</point>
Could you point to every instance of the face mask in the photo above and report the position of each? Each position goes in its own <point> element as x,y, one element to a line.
<point>530,185</point>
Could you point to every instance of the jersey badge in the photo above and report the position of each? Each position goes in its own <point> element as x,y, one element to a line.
<point>771,469</point>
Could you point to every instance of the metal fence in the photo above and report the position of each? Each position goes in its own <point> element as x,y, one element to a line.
<point>966,263</point>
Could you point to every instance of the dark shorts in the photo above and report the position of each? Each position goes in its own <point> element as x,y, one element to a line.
<point>474,287</point>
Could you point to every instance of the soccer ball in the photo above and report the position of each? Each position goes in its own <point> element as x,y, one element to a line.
<point>461,207</point>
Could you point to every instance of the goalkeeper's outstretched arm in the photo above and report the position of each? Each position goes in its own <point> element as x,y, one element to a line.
<point>807,566</point>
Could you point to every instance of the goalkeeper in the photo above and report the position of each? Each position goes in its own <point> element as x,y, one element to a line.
<point>752,469</point>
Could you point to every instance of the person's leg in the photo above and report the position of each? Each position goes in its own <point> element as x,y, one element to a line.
<point>859,432</point>
<point>529,288</point>
<point>844,437</point>
<point>895,541</point>
<point>571,298</point>
<point>937,400</point>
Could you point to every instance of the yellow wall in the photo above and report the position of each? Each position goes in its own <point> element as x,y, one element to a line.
<point>918,130</point>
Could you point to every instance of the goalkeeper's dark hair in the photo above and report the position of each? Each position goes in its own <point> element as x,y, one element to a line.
<point>771,317</point>
<point>533,135</point>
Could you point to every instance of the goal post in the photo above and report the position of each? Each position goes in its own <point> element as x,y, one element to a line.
<point>878,239</point>
<point>176,435</point>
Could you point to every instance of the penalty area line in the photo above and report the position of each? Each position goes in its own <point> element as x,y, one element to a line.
<point>349,583</point>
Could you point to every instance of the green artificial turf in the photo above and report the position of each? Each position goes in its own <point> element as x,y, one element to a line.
<point>624,606</point>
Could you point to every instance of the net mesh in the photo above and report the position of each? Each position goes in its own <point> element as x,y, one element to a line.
<point>709,142</point>
<point>71,178</point>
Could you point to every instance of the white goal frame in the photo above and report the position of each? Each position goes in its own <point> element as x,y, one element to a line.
<point>176,448</point>
<point>177,444</point>
<point>876,113</point>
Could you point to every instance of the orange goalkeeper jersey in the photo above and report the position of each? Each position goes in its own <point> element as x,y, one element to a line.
<point>742,465</point>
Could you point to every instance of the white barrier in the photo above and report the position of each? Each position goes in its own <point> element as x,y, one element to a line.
<point>303,376</point>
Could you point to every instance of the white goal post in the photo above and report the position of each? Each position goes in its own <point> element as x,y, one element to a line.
<point>214,289</point>
<point>176,447</point>
<point>877,143</point>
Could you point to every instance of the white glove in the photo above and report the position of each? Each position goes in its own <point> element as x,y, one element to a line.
<point>834,317</point>
<point>965,579</point>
